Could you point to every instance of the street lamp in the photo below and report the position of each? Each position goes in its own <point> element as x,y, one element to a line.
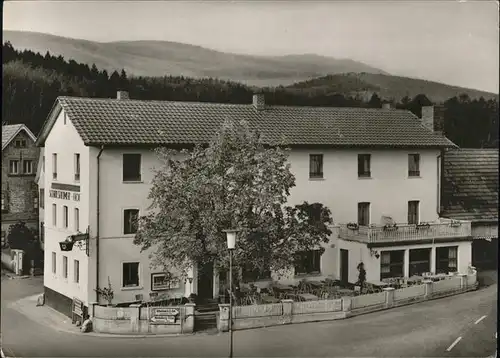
<point>231,244</point>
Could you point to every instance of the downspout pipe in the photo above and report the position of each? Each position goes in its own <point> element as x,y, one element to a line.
<point>97,224</point>
<point>440,174</point>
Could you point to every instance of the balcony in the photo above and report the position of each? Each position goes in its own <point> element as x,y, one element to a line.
<point>405,233</point>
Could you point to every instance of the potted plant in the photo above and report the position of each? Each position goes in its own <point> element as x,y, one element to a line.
<point>107,293</point>
<point>389,227</point>
<point>423,226</point>
<point>353,226</point>
<point>361,276</point>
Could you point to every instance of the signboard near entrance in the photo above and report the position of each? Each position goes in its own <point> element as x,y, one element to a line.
<point>77,310</point>
<point>164,316</point>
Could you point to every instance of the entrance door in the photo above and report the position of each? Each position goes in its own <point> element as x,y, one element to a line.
<point>344,265</point>
<point>206,281</point>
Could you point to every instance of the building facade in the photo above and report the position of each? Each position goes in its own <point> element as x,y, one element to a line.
<point>364,164</point>
<point>19,192</point>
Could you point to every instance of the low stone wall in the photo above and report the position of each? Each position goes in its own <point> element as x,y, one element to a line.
<point>143,320</point>
<point>288,312</point>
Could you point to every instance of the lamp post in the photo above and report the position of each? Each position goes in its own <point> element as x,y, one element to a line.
<point>231,243</point>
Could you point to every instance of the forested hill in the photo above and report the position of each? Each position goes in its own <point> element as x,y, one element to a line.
<point>32,82</point>
<point>159,58</point>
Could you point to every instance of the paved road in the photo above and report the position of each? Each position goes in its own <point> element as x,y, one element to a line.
<point>422,330</point>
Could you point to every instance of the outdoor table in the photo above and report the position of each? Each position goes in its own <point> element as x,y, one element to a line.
<point>308,297</point>
<point>270,299</point>
<point>345,292</point>
<point>378,284</point>
<point>283,288</point>
<point>414,279</point>
<point>315,284</point>
<point>438,277</point>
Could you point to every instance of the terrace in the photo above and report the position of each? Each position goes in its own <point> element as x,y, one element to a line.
<point>393,233</point>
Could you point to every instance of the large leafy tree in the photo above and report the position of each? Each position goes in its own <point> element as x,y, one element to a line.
<point>21,237</point>
<point>234,182</point>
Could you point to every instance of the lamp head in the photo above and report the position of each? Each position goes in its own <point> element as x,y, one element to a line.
<point>231,238</point>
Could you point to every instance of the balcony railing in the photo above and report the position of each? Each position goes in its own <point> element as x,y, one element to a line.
<point>442,229</point>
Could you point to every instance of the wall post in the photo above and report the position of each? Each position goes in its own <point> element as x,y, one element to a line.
<point>223,321</point>
<point>428,288</point>
<point>92,306</point>
<point>287,311</point>
<point>188,324</point>
<point>135,316</point>
<point>346,304</point>
<point>463,281</point>
<point>389,296</point>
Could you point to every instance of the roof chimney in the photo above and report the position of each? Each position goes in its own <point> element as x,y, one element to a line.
<point>428,117</point>
<point>439,111</point>
<point>386,105</point>
<point>259,101</point>
<point>122,95</point>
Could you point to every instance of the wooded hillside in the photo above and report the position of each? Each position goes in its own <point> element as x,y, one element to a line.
<point>32,82</point>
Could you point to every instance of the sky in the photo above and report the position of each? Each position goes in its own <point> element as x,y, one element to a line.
<point>454,42</point>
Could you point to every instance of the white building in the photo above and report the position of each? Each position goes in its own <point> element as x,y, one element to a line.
<point>355,161</point>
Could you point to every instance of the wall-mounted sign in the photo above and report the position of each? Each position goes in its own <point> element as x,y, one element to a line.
<point>160,282</point>
<point>164,316</point>
<point>65,195</point>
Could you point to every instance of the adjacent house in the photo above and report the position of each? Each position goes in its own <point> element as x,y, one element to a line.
<point>371,167</point>
<point>470,192</point>
<point>19,163</point>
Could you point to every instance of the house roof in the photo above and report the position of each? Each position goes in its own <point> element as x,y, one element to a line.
<point>135,122</point>
<point>470,184</point>
<point>10,131</point>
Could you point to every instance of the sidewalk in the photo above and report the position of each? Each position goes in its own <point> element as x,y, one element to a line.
<point>49,317</point>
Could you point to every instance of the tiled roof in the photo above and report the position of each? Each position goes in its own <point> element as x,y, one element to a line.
<point>470,184</point>
<point>133,122</point>
<point>9,131</point>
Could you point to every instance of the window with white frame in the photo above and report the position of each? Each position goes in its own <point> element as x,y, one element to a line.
<point>130,221</point>
<point>43,163</point>
<point>54,166</point>
<point>42,232</point>
<point>65,216</point>
<point>392,263</point>
<point>413,212</point>
<point>77,219</point>
<point>446,259</point>
<point>131,167</point>
<point>54,215</point>
<point>413,165</point>
<point>4,201</point>
<point>364,214</point>
<point>65,266</point>
<point>42,198</point>
<point>316,166</point>
<point>14,167</point>
<point>77,166</point>
<point>130,277</point>
<point>76,271</point>
<point>54,263</point>
<point>27,167</point>
<point>35,203</point>
<point>364,165</point>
